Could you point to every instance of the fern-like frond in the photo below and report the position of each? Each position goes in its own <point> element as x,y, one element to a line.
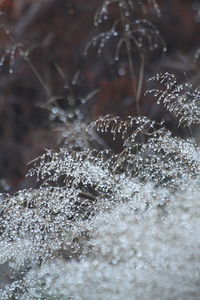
<point>181,99</point>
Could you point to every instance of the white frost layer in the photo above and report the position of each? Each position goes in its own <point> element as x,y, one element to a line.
<point>156,256</point>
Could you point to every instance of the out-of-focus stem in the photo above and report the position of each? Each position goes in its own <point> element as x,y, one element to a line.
<point>132,71</point>
<point>140,83</point>
<point>43,84</point>
<point>136,88</point>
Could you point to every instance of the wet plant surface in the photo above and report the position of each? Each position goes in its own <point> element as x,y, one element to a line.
<point>105,111</point>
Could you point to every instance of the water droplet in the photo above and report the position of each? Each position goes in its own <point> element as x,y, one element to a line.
<point>55,110</point>
<point>115,33</point>
<point>121,71</point>
<point>127,27</point>
<point>164,49</point>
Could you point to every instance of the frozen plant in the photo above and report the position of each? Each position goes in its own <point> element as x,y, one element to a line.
<point>154,255</point>
<point>151,153</point>
<point>68,220</point>
<point>179,98</point>
<point>126,6</point>
<point>136,36</point>
<point>105,225</point>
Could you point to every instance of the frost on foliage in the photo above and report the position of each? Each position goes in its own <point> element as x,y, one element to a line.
<point>154,255</point>
<point>105,225</point>
<point>34,226</point>
<point>166,160</point>
<point>181,99</point>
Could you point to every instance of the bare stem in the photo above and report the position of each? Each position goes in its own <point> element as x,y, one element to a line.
<point>140,84</point>
<point>131,67</point>
<point>24,54</point>
<point>43,84</point>
<point>135,89</point>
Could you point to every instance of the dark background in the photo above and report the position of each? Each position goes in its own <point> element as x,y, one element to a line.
<point>56,32</point>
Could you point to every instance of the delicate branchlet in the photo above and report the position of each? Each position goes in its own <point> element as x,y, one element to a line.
<point>98,217</point>
<point>141,34</point>
<point>130,128</point>
<point>77,186</point>
<point>167,160</point>
<point>126,6</point>
<point>49,222</point>
<point>136,36</point>
<point>181,99</point>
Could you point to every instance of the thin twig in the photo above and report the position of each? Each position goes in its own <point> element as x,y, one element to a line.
<point>140,84</point>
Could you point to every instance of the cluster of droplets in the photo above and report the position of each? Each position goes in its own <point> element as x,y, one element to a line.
<point>100,40</point>
<point>180,99</point>
<point>168,161</point>
<point>128,250</point>
<point>41,224</point>
<point>11,51</point>
<point>126,7</point>
<point>103,12</point>
<point>116,125</point>
<point>104,225</point>
<point>68,109</point>
<point>34,226</point>
<point>145,35</point>
<point>151,153</point>
<point>140,33</point>
<point>10,55</point>
<point>80,193</point>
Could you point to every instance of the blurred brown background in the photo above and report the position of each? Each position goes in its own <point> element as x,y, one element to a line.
<point>56,33</point>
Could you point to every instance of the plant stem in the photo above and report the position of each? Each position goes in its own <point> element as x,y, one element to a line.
<point>131,69</point>
<point>135,89</point>
<point>140,84</point>
<point>43,84</point>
